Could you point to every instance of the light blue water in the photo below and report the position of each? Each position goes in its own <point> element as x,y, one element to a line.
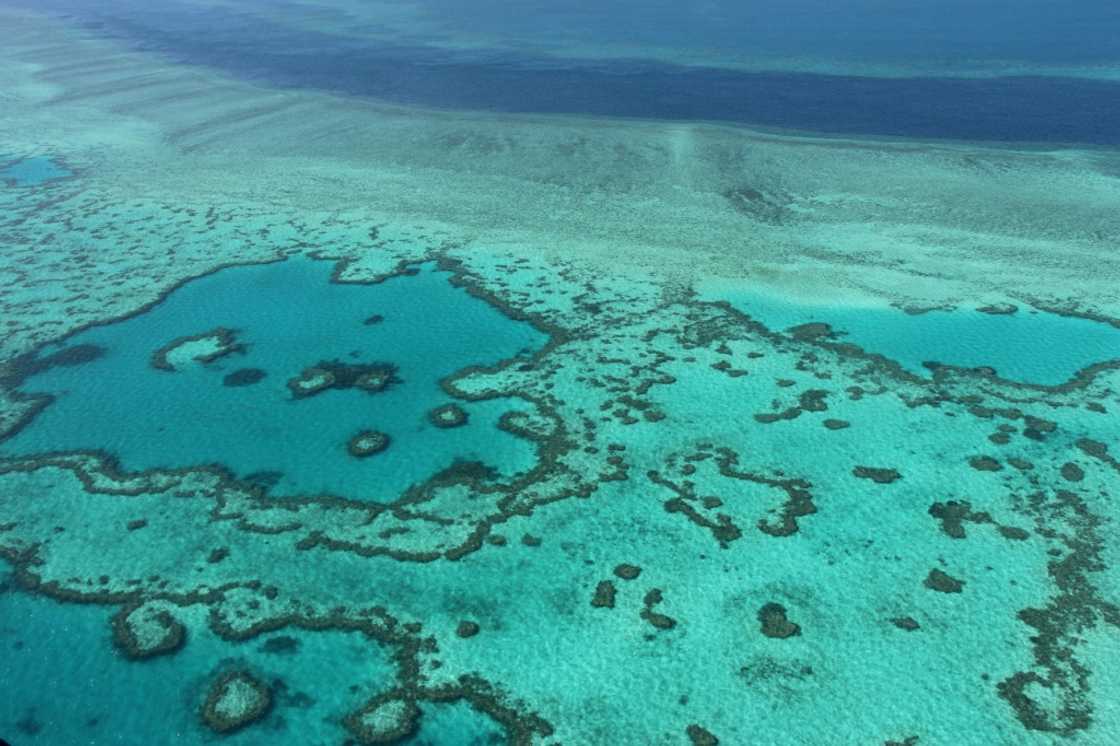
<point>1028,346</point>
<point>31,171</point>
<point>290,317</point>
<point>63,680</point>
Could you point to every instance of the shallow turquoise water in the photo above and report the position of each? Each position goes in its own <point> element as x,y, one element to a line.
<point>1028,346</point>
<point>290,316</point>
<point>32,171</point>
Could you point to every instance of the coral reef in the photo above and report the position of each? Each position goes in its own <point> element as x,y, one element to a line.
<point>448,415</point>
<point>367,443</point>
<point>235,700</point>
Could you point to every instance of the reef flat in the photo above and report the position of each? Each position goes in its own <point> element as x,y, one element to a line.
<point>670,514</point>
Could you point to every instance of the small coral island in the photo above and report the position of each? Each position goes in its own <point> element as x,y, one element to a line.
<point>147,631</point>
<point>385,719</point>
<point>367,443</point>
<point>236,699</point>
<point>448,415</point>
<point>203,348</point>
<point>371,377</point>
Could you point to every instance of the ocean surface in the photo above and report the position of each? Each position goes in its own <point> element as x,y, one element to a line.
<point>446,373</point>
<point>1028,106</point>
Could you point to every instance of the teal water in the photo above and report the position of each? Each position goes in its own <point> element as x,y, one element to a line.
<point>455,723</point>
<point>32,171</point>
<point>1028,346</point>
<point>289,316</point>
<point>64,683</point>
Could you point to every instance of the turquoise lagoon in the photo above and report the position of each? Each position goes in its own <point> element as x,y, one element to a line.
<point>33,171</point>
<point>289,316</point>
<point>1024,345</point>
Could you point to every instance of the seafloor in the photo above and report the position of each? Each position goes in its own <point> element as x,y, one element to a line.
<point>327,421</point>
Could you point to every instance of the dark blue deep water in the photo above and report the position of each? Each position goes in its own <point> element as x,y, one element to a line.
<point>1021,109</point>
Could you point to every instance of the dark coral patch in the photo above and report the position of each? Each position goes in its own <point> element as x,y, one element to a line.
<point>24,366</point>
<point>264,479</point>
<point>28,724</point>
<point>907,623</point>
<point>244,377</point>
<point>813,400</point>
<point>467,629</point>
<point>627,572</point>
<point>658,620</point>
<point>811,331</point>
<point>1039,425</point>
<point>604,595</point>
<point>723,528</point>
<point>984,463</point>
<point>281,645</point>
<point>700,736</point>
<point>1094,448</point>
<point>942,582</point>
<point>1053,696</point>
<point>1014,533</point>
<point>1071,472</point>
<point>953,516</point>
<point>876,474</point>
<point>774,622</point>
<point>999,309</point>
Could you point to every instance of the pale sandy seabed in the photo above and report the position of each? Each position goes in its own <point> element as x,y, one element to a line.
<point>736,467</point>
